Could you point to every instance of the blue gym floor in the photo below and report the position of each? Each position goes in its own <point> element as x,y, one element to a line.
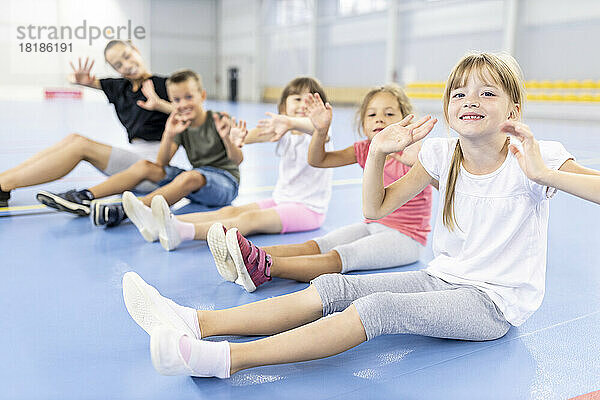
<point>67,335</point>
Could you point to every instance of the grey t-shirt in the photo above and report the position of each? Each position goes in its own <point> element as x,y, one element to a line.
<point>204,147</point>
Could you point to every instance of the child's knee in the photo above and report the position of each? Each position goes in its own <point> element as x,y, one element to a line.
<point>76,140</point>
<point>191,180</point>
<point>147,170</point>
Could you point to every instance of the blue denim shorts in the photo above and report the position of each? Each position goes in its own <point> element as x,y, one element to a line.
<point>220,189</point>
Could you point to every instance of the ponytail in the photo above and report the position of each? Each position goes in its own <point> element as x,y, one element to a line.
<point>448,213</point>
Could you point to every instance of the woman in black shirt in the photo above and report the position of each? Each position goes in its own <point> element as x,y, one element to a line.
<point>141,103</point>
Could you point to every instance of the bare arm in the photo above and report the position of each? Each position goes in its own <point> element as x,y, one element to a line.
<point>571,177</point>
<point>379,201</point>
<point>320,118</point>
<point>168,147</point>
<point>153,101</point>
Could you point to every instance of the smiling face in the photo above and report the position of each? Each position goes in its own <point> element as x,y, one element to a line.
<point>479,106</point>
<point>127,61</point>
<point>382,110</point>
<point>294,104</point>
<point>187,98</point>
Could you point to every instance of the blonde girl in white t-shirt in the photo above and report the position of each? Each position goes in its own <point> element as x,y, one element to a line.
<point>489,246</point>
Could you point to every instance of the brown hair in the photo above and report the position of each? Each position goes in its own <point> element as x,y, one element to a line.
<point>505,72</point>
<point>299,85</point>
<point>391,88</point>
<point>185,75</point>
<point>115,42</point>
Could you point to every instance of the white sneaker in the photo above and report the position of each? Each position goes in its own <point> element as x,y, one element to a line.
<point>141,216</point>
<point>167,359</point>
<point>167,234</point>
<point>218,248</point>
<point>149,309</point>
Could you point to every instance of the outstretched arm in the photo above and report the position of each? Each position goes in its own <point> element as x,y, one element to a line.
<point>273,128</point>
<point>571,177</point>
<point>82,75</point>
<point>379,201</point>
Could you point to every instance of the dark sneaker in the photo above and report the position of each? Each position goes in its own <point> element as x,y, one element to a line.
<point>108,215</point>
<point>252,263</point>
<point>4,197</point>
<point>74,201</point>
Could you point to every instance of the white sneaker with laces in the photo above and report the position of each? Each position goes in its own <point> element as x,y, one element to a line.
<point>149,309</point>
<point>167,233</point>
<point>141,216</point>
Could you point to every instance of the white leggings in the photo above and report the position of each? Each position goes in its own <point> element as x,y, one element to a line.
<point>370,246</point>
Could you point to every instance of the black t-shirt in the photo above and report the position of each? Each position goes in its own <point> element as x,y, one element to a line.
<point>140,123</point>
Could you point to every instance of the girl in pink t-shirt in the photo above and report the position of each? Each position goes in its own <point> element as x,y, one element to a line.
<point>394,240</point>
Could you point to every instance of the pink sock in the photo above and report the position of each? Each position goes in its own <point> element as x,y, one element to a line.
<point>185,348</point>
<point>186,230</point>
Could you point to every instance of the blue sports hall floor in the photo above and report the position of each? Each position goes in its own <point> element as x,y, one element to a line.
<point>66,334</point>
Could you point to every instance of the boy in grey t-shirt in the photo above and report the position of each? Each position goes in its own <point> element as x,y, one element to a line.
<point>214,179</point>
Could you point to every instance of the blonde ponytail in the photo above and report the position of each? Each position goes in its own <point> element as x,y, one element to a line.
<point>448,213</point>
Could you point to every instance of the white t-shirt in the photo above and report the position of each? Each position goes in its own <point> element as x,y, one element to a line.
<point>298,181</point>
<point>500,243</point>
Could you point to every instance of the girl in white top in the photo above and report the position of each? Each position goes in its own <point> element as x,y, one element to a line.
<point>489,245</point>
<point>301,194</point>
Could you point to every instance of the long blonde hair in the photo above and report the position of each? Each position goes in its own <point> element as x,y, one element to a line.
<point>505,72</point>
<point>391,88</point>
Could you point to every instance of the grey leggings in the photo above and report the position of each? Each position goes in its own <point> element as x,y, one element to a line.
<point>370,246</point>
<point>413,302</point>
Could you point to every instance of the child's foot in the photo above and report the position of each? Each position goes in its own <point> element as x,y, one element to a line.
<point>149,309</point>
<point>73,201</point>
<point>108,215</point>
<point>252,263</point>
<point>167,232</point>
<point>205,359</point>
<point>141,216</point>
<point>218,248</point>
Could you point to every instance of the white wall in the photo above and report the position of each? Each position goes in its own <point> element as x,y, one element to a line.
<point>184,35</point>
<point>24,75</point>
<point>271,41</point>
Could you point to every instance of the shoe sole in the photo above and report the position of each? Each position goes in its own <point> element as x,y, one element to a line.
<point>218,247</point>
<point>58,203</point>
<point>162,215</point>
<point>233,247</point>
<point>141,308</point>
<point>130,208</point>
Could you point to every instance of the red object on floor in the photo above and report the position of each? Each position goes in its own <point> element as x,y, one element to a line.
<point>589,396</point>
<point>62,93</point>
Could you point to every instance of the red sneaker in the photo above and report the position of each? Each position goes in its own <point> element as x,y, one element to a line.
<point>253,264</point>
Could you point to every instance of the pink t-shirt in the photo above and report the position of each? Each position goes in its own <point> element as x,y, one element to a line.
<point>412,219</point>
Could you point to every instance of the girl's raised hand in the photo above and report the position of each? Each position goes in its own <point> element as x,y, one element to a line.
<point>238,132</point>
<point>320,114</point>
<point>396,137</point>
<point>276,126</point>
<point>529,156</point>
<point>152,99</point>
<point>175,125</point>
<point>82,74</point>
